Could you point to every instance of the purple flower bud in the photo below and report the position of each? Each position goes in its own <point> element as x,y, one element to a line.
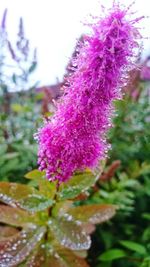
<point>75,137</point>
<point>21,29</point>
<point>12,52</point>
<point>3,23</point>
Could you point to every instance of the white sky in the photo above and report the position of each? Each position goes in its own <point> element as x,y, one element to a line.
<point>53,26</point>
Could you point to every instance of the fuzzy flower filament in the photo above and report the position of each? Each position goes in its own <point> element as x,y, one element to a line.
<point>75,137</point>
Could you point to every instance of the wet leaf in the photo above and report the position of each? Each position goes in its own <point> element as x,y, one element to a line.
<point>93,213</point>
<point>76,185</point>
<point>65,258</point>
<point>23,196</point>
<point>88,228</point>
<point>15,249</point>
<point>61,208</point>
<point>35,203</point>
<point>81,253</point>
<point>38,257</point>
<point>10,193</point>
<point>7,231</point>
<point>15,216</point>
<point>69,234</point>
<point>45,256</point>
<point>71,259</point>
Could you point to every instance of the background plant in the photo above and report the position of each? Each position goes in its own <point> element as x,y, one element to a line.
<point>18,112</point>
<point>126,240</point>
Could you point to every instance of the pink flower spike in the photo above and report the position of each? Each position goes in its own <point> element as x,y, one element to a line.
<point>75,137</point>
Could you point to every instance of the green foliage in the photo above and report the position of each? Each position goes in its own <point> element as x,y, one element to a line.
<point>125,241</point>
<point>130,137</point>
<point>41,228</point>
<point>112,254</point>
<point>18,115</point>
<point>133,246</point>
<point>18,152</point>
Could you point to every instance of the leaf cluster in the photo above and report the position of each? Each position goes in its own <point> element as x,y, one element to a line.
<point>42,225</point>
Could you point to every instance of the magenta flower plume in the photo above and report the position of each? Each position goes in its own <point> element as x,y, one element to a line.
<point>75,137</point>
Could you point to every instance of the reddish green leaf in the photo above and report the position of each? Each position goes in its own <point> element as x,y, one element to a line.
<point>69,234</point>
<point>45,256</point>
<point>10,193</point>
<point>7,231</point>
<point>88,228</point>
<point>38,258</point>
<point>65,258</point>
<point>15,249</point>
<point>93,213</point>
<point>81,253</point>
<point>61,208</point>
<point>23,196</point>
<point>15,216</point>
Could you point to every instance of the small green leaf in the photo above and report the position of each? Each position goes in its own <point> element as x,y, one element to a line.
<point>77,184</point>
<point>14,78</point>
<point>33,67</point>
<point>35,174</point>
<point>133,246</point>
<point>46,188</point>
<point>112,254</point>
